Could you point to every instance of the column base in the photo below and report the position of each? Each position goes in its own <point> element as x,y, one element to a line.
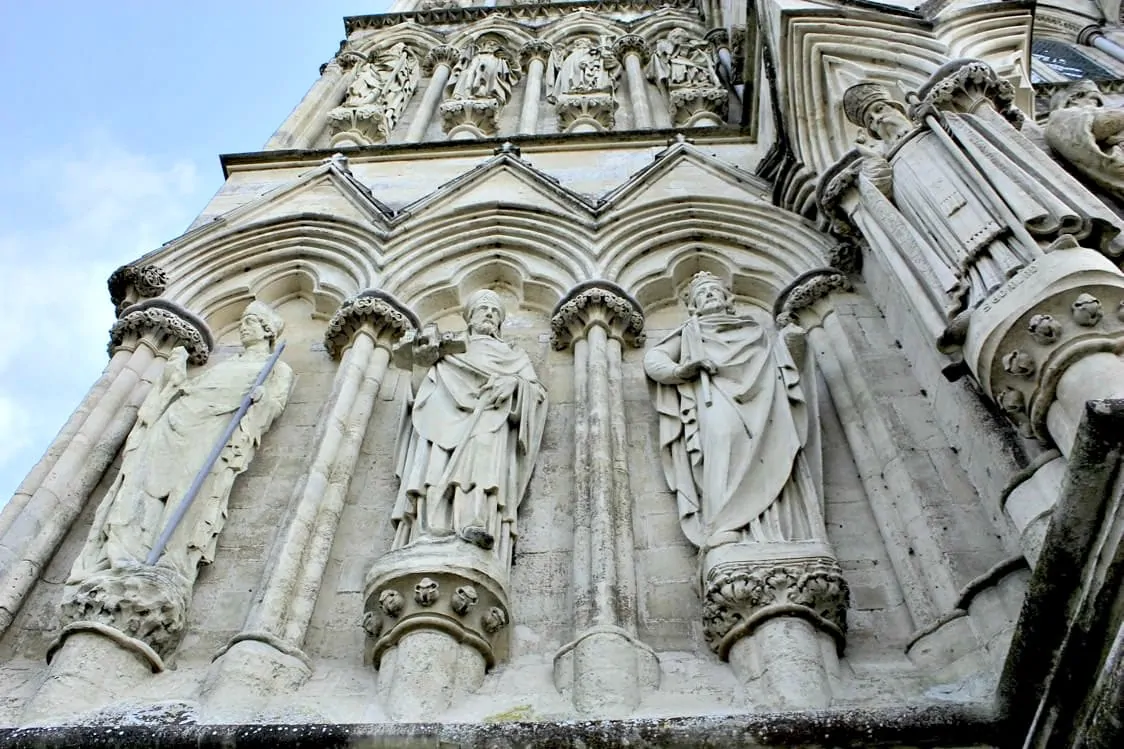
<point>245,677</point>
<point>606,672</point>
<point>425,673</point>
<point>791,659</point>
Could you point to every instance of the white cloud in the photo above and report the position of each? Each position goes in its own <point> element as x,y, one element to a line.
<point>80,213</point>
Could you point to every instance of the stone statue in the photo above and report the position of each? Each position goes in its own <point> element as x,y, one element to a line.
<point>985,199</point>
<point>683,62</point>
<point>734,426</point>
<point>470,437</point>
<point>377,96</point>
<point>177,426</point>
<point>483,72</point>
<point>1088,135</point>
<point>586,68</point>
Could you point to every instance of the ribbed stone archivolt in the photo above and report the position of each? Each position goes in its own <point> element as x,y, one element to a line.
<point>738,436</point>
<point>605,669</point>
<point>436,608</point>
<point>265,658</point>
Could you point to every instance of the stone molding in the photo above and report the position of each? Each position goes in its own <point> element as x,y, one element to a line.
<point>380,310</point>
<point>739,596</point>
<point>593,303</point>
<point>806,290</point>
<point>131,283</point>
<point>164,319</point>
<point>520,12</point>
<point>144,608</point>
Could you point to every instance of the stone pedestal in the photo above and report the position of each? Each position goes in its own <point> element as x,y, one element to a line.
<point>777,612</point>
<point>436,617</point>
<point>468,119</point>
<point>698,107</point>
<point>586,113</point>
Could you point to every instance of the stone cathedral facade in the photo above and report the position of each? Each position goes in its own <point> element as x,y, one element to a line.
<point>689,372</point>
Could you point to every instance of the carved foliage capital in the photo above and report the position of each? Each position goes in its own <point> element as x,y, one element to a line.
<point>146,604</point>
<point>596,303</point>
<point>963,86</point>
<point>441,55</point>
<point>385,315</point>
<point>131,283</point>
<point>632,44</point>
<point>168,324</point>
<point>805,291</point>
<point>536,49</point>
<point>719,38</point>
<point>741,596</point>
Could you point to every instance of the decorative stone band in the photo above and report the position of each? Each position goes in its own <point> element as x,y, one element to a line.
<point>962,86</point>
<point>371,307</point>
<point>739,596</point>
<point>1022,338</point>
<point>131,283</point>
<point>520,12</point>
<point>142,608</point>
<point>592,303</point>
<point>807,289</point>
<point>468,607</point>
<point>166,321</point>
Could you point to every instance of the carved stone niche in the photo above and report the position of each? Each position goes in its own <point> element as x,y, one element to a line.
<point>683,68</point>
<point>142,608</point>
<point>445,586</point>
<point>376,98</point>
<point>479,85</point>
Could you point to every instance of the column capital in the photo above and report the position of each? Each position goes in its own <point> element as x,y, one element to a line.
<point>804,291</point>
<point>632,44</point>
<point>1089,34</point>
<point>167,325</point>
<point>963,86</point>
<point>536,49</point>
<point>718,38</point>
<point>597,303</point>
<point>131,283</point>
<point>382,315</point>
<point>440,55</point>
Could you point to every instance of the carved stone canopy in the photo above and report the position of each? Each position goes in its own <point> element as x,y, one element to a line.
<point>592,303</point>
<point>380,310</point>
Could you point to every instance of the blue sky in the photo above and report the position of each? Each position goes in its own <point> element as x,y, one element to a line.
<point>114,115</point>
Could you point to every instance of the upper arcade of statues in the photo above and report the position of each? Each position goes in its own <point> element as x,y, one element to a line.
<point>436,70</point>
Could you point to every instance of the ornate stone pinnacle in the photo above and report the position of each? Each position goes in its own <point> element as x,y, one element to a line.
<point>632,44</point>
<point>373,307</point>
<point>168,323</point>
<point>592,303</point>
<point>442,55</point>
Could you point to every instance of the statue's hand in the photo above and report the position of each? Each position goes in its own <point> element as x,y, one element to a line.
<point>690,370</point>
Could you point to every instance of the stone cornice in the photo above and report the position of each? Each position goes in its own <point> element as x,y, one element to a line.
<point>521,12</point>
<point>160,317</point>
<point>382,311</point>
<point>592,303</point>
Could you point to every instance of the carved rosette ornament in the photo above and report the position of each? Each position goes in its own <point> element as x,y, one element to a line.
<point>466,605</point>
<point>132,283</point>
<point>739,597</point>
<point>140,607</point>
<point>595,303</point>
<point>163,325</point>
<point>376,310</point>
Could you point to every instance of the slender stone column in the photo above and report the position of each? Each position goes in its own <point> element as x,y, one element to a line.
<point>720,39</point>
<point>305,122</point>
<point>605,669</point>
<point>438,64</point>
<point>634,51</point>
<point>535,55</point>
<point>265,658</point>
<point>1093,36</point>
<point>144,336</point>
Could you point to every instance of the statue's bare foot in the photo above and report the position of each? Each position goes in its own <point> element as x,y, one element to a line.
<point>475,534</point>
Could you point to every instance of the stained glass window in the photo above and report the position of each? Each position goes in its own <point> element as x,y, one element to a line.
<point>1066,61</point>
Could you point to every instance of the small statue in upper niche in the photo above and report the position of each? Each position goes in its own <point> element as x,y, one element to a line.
<point>587,68</point>
<point>681,61</point>
<point>470,436</point>
<point>483,72</point>
<point>1089,135</point>
<point>177,426</point>
<point>734,426</point>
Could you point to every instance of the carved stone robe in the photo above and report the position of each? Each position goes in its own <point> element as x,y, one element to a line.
<point>484,75</point>
<point>177,426</point>
<point>497,445</point>
<point>738,466</point>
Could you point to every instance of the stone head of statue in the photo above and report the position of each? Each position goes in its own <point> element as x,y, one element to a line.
<point>707,295</point>
<point>260,323</point>
<point>869,105</point>
<point>485,313</point>
<point>1080,94</point>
